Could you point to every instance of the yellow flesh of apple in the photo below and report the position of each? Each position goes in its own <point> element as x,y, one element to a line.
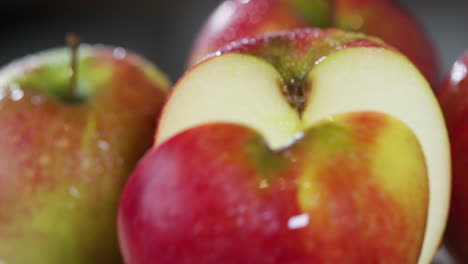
<point>245,89</point>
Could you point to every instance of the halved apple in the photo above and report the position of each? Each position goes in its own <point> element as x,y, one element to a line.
<point>285,86</point>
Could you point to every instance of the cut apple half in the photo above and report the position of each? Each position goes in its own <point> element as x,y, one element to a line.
<point>249,90</point>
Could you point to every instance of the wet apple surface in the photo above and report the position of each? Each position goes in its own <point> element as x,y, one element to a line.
<point>63,162</point>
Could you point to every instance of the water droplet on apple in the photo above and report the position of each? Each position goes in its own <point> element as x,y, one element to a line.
<point>223,15</point>
<point>62,143</point>
<point>332,42</point>
<point>119,53</point>
<point>320,60</point>
<point>271,223</point>
<point>295,138</point>
<point>298,221</point>
<point>37,99</point>
<point>102,144</point>
<point>282,184</point>
<point>86,163</point>
<point>74,192</point>
<point>458,73</point>
<point>15,92</point>
<point>290,155</point>
<point>263,184</point>
<point>298,136</point>
<point>244,1</point>
<point>355,22</point>
<point>306,185</point>
<point>45,160</point>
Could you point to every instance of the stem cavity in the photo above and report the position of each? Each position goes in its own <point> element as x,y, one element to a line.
<point>73,42</point>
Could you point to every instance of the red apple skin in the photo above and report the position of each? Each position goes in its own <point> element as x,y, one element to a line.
<point>387,20</point>
<point>237,19</point>
<point>453,98</point>
<point>63,165</point>
<point>217,194</point>
<point>297,48</point>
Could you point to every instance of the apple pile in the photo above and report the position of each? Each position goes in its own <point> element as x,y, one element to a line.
<point>304,131</point>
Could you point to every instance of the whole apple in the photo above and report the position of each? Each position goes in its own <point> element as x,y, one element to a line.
<point>302,146</point>
<point>237,19</point>
<point>64,157</point>
<point>453,97</point>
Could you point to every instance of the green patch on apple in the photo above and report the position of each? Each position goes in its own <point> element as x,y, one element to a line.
<point>53,78</point>
<point>317,12</point>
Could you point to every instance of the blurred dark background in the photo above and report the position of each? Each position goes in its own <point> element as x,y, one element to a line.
<point>163,30</point>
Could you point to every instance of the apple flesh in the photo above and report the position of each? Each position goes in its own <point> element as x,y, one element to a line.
<point>284,83</point>
<point>64,160</point>
<point>218,194</point>
<point>453,99</point>
<point>237,19</point>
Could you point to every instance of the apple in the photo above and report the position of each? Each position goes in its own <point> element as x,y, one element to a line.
<point>67,146</point>
<point>302,146</point>
<point>217,194</point>
<point>453,98</point>
<point>386,19</point>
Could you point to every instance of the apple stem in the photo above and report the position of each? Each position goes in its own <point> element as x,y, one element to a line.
<point>296,93</point>
<point>73,42</point>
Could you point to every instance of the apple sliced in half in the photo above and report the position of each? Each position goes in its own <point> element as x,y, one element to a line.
<point>282,84</point>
